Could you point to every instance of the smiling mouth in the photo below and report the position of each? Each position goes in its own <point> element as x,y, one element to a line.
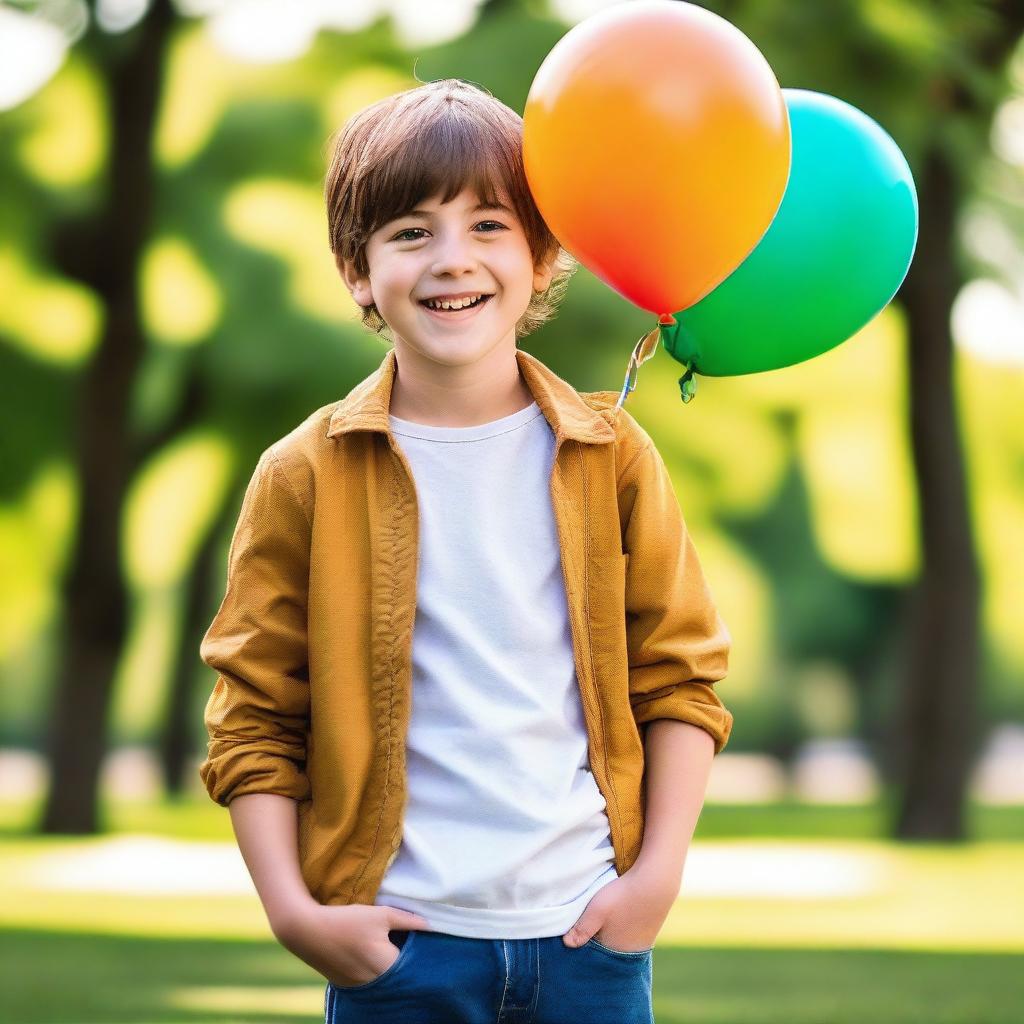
<point>458,314</point>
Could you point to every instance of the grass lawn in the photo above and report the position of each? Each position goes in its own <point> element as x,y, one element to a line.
<point>860,929</point>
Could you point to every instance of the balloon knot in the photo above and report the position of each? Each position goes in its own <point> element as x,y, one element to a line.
<point>667,319</point>
<point>687,384</point>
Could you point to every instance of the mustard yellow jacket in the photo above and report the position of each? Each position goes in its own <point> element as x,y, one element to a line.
<point>312,641</point>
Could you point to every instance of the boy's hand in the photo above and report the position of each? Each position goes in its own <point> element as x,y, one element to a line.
<point>348,945</point>
<point>627,914</point>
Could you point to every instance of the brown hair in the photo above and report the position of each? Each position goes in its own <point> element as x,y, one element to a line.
<point>434,138</point>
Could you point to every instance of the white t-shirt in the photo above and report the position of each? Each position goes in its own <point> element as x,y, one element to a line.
<point>505,832</point>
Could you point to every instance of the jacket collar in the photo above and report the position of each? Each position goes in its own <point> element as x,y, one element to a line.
<point>367,405</point>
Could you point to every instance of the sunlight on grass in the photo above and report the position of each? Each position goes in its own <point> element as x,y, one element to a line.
<point>763,893</point>
<point>938,897</point>
<point>238,919</point>
<point>158,920</point>
<point>297,1000</point>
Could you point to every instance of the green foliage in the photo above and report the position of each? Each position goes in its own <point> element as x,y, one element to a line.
<point>239,156</point>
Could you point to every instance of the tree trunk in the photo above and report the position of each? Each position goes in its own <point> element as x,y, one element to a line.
<point>104,251</point>
<point>936,731</point>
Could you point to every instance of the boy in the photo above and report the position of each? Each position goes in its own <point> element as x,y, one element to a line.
<point>464,715</point>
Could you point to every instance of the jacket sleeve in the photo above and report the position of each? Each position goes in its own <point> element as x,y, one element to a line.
<point>678,643</point>
<point>257,716</point>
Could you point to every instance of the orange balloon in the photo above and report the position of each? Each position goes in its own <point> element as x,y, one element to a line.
<point>656,144</point>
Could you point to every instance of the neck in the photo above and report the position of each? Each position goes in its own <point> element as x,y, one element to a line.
<point>440,395</point>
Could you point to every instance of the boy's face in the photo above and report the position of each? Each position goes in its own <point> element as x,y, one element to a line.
<point>449,250</point>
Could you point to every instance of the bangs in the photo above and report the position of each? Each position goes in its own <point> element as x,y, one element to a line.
<point>441,159</point>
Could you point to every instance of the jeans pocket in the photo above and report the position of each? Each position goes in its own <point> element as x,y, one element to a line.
<point>629,954</point>
<point>386,975</point>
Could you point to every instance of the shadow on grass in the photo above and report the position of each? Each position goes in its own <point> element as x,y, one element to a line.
<point>836,986</point>
<point>50,977</point>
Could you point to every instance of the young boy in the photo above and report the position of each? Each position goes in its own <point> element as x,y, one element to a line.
<point>464,715</point>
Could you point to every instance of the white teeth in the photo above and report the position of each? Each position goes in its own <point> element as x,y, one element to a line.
<point>455,303</point>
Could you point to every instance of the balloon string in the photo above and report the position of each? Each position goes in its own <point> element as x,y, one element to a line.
<point>642,351</point>
<point>625,387</point>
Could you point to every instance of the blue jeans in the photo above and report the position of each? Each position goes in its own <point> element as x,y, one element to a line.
<point>451,979</point>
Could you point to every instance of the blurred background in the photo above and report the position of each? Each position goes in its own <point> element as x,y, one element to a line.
<point>169,307</point>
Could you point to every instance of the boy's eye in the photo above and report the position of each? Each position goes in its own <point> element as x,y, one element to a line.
<point>399,238</point>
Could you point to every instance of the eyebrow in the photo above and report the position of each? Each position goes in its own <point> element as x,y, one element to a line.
<point>475,209</point>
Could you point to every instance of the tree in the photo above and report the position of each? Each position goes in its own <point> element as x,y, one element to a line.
<point>937,727</point>
<point>103,250</point>
<point>933,76</point>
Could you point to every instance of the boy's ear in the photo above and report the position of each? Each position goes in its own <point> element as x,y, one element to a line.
<point>543,272</point>
<point>358,286</point>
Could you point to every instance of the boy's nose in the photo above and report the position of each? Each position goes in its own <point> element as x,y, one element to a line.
<point>453,257</point>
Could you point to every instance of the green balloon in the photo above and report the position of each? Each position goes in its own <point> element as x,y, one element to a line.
<point>833,257</point>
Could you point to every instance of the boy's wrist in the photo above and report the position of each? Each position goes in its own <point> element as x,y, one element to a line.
<point>286,912</point>
<point>660,868</point>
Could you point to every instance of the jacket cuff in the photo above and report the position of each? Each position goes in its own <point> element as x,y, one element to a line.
<point>692,702</point>
<point>235,767</point>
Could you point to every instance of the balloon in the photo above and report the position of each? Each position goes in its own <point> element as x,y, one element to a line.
<point>656,145</point>
<point>835,254</point>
